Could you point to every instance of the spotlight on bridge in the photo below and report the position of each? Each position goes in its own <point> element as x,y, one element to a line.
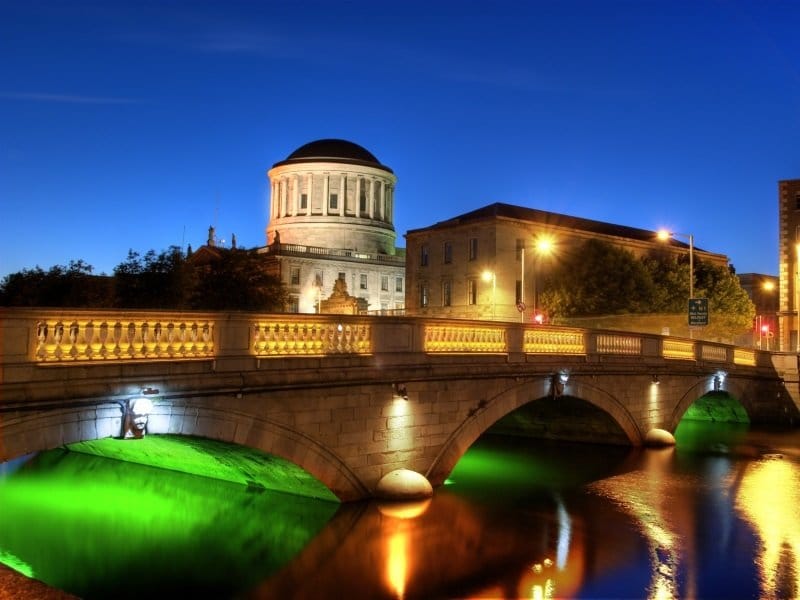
<point>400,391</point>
<point>563,376</point>
<point>656,381</point>
<point>137,411</point>
<point>719,380</point>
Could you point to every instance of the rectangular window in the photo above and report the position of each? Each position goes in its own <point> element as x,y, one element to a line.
<point>398,284</point>
<point>362,197</point>
<point>520,246</point>
<point>384,283</point>
<point>303,201</point>
<point>333,203</point>
<point>448,252</point>
<point>362,281</point>
<point>423,255</point>
<point>295,275</point>
<point>423,295</point>
<point>318,279</point>
<point>294,304</point>
<point>518,293</point>
<point>472,292</point>
<point>341,276</point>
<point>447,299</point>
<point>473,248</point>
<point>797,201</point>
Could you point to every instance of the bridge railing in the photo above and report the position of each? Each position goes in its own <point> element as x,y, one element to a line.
<point>41,338</point>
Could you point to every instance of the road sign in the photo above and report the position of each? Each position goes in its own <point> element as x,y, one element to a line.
<point>698,312</point>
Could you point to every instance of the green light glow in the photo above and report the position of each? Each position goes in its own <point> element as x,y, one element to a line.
<point>210,458</point>
<point>147,531</point>
<point>718,407</point>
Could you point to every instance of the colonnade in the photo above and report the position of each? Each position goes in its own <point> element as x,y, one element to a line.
<point>292,195</point>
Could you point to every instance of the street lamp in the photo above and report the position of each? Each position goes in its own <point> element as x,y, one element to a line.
<point>491,276</point>
<point>542,246</point>
<point>665,235</point>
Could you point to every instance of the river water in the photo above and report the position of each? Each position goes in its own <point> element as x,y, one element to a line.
<point>716,517</point>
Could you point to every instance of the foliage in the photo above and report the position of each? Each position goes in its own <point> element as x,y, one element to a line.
<point>238,281</point>
<point>599,279</point>
<point>60,286</point>
<point>162,280</point>
<point>233,280</point>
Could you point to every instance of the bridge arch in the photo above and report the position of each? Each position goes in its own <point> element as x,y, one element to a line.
<point>700,389</point>
<point>511,399</point>
<point>36,432</point>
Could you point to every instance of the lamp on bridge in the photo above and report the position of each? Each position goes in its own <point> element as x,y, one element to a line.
<point>491,276</point>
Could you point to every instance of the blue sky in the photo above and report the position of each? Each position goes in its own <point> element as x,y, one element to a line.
<point>136,125</point>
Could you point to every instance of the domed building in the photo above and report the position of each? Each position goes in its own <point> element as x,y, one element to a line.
<point>331,218</point>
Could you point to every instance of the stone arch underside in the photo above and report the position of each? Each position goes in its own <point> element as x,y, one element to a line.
<point>515,397</point>
<point>699,389</point>
<point>39,431</point>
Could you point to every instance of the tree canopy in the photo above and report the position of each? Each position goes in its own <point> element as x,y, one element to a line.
<point>237,279</point>
<point>600,279</point>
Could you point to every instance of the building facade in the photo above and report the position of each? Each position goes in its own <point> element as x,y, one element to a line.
<point>331,215</point>
<point>764,292</point>
<point>486,264</point>
<point>789,256</point>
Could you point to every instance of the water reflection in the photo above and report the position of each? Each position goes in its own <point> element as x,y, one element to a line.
<point>715,517</point>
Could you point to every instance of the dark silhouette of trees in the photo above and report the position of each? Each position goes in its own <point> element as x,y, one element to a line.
<point>59,286</point>
<point>237,280</point>
<point>234,279</point>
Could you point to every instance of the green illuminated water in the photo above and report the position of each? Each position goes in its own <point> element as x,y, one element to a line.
<point>102,528</point>
<point>714,517</point>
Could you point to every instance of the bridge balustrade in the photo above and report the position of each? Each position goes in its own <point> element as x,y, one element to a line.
<point>50,337</point>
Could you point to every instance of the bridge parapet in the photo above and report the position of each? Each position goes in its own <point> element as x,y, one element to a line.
<point>47,337</point>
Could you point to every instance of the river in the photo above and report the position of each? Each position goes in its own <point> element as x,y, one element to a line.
<point>715,517</point>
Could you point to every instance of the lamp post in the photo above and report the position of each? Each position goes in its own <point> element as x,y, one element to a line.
<point>665,235</point>
<point>491,276</point>
<point>542,245</point>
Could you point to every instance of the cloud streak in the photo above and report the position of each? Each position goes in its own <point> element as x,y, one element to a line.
<point>64,98</point>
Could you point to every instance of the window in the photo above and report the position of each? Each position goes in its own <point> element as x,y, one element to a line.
<point>294,304</point>
<point>303,201</point>
<point>472,292</point>
<point>398,284</point>
<point>295,275</point>
<point>797,201</point>
<point>318,279</point>
<point>333,203</point>
<point>362,281</point>
<point>384,283</point>
<point>518,293</point>
<point>520,246</point>
<point>362,197</point>
<point>423,295</point>
<point>342,276</point>
<point>446,293</point>
<point>423,255</point>
<point>473,248</point>
<point>448,252</point>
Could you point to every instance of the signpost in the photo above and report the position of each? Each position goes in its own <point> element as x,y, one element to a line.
<point>698,312</point>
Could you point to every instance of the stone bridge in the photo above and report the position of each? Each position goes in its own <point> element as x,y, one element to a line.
<point>350,399</point>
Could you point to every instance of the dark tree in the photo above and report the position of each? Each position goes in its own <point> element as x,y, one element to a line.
<point>597,279</point>
<point>164,280</point>
<point>60,286</point>
<point>238,280</point>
